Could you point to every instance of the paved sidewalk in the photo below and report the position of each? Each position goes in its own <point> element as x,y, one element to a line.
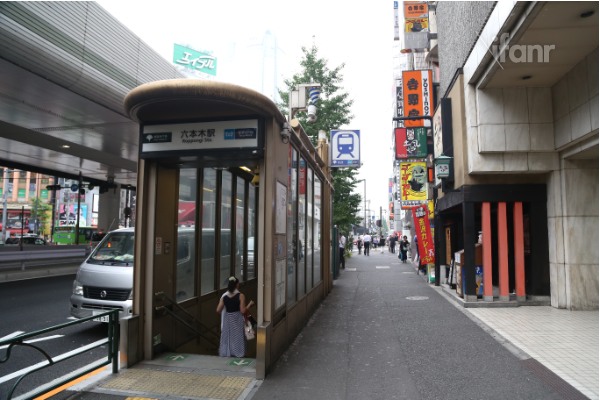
<point>385,333</point>
<point>565,342</point>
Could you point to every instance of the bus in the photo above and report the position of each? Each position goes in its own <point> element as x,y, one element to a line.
<point>66,234</point>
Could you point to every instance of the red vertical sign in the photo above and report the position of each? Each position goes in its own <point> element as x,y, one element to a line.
<point>425,241</point>
<point>400,140</point>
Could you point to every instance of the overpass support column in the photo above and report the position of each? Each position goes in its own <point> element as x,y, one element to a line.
<point>109,210</point>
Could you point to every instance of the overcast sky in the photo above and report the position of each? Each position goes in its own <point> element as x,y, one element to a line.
<point>358,34</point>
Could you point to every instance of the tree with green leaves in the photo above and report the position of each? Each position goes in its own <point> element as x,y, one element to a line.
<point>333,112</point>
<point>41,212</point>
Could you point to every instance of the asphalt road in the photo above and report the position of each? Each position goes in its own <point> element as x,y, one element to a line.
<point>36,304</point>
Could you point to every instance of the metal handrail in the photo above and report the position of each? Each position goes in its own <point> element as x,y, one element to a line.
<point>111,342</point>
<point>214,340</point>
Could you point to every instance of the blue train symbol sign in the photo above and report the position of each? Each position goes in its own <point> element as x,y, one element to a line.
<point>345,148</point>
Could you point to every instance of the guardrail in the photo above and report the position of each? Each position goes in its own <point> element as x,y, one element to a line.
<point>39,259</point>
<point>111,342</point>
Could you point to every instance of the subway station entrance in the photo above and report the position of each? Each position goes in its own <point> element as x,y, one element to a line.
<point>226,187</point>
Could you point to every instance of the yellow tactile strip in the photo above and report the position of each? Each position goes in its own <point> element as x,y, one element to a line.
<point>183,384</point>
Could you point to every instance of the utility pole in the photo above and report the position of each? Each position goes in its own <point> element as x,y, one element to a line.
<point>78,209</point>
<point>4,211</point>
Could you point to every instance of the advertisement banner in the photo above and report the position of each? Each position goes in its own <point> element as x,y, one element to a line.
<point>413,183</point>
<point>197,61</point>
<point>424,237</point>
<point>411,143</point>
<point>418,97</point>
<point>68,215</point>
<point>416,25</point>
<point>415,9</point>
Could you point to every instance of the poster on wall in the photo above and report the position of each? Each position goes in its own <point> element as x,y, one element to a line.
<point>280,283</point>
<point>424,236</point>
<point>280,209</point>
<point>413,183</point>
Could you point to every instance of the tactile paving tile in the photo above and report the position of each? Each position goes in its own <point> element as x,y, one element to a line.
<point>178,384</point>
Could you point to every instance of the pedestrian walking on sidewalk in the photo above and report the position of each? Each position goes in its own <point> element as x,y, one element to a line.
<point>404,246</point>
<point>393,240</point>
<point>367,243</point>
<point>342,246</point>
<point>232,307</point>
<point>417,256</point>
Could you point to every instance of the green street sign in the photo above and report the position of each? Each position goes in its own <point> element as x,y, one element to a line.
<point>194,60</point>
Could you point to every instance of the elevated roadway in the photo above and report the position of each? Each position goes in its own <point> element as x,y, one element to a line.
<point>65,68</point>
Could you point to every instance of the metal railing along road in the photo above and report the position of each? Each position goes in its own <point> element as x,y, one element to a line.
<point>29,340</point>
<point>36,258</point>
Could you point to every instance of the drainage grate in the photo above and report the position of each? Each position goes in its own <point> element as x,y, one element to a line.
<point>561,386</point>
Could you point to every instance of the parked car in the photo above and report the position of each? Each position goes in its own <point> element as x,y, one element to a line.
<point>27,240</point>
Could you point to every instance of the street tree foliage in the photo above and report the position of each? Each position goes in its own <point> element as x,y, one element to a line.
<point>333,107</point>
<point>41,212</point>
<point>333,111</point>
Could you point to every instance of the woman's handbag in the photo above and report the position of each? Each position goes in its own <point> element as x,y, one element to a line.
<point>248,329</point>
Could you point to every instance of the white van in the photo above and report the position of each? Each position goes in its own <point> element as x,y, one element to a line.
<point>104,280</point>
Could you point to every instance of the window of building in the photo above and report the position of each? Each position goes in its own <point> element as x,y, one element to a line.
<point>292,219</point>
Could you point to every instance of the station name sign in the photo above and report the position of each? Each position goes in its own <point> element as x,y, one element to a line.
<point>197,136</point>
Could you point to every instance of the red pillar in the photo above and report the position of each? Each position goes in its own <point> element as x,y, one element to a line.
<point>502,252</point>
<point>486,233</point>
<point>519,238</point>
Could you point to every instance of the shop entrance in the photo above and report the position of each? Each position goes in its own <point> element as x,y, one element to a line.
<point>215,214</point>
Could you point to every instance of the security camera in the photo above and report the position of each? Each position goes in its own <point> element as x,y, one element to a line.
<point>285,133</point>
<point>312,113</point>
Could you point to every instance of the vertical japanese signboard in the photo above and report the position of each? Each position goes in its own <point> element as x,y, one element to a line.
<point>411,143</point>
<point>399,101</point>
<point>417,97</point>
<point>424,237</point>
<point>413,183</point>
